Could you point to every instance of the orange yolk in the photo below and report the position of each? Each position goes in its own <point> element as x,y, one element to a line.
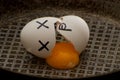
<point>63,56</point>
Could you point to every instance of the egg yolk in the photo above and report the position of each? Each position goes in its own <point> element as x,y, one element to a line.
<point>63,56</point>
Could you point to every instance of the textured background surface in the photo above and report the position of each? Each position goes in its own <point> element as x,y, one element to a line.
<point>102,52</point>
<point>104,7</point>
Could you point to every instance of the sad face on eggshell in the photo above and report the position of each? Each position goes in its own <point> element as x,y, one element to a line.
<point>39,35</point>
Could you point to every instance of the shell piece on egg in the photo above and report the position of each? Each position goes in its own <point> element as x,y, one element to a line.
<point>38,36</point>
<point>75,30</point>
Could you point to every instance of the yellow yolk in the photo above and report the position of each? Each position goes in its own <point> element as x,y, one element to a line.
<point>63,56</point>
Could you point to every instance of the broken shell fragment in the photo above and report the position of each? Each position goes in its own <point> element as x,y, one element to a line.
<point>75,30</point>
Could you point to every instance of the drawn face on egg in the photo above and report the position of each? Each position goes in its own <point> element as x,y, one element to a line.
<point>39,35</point>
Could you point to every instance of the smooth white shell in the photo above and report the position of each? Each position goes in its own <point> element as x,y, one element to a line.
<point>79,34</point>
<point>32,33</point>
<point>39,37</point>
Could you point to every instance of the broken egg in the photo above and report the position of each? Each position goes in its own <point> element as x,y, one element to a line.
<point>39,35</point>
<point>76,30</point>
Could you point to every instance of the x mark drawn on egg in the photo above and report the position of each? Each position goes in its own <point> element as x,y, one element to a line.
<point>43,45</point>
<point>42,24</point>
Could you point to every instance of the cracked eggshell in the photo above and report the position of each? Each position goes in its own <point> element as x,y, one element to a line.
<point>34,31</point>
<point>79,34</point>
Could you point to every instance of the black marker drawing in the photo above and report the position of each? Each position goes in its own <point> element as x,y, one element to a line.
<point>55,25</point>
<point>42,24</point>
<point>43,46</point>
<point>63,26</point>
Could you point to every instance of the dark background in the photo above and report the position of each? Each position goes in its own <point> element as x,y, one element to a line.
<point>6,75</point>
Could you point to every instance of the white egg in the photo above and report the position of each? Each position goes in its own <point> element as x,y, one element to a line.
<point>75,30</point>
<point>38,36</point>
